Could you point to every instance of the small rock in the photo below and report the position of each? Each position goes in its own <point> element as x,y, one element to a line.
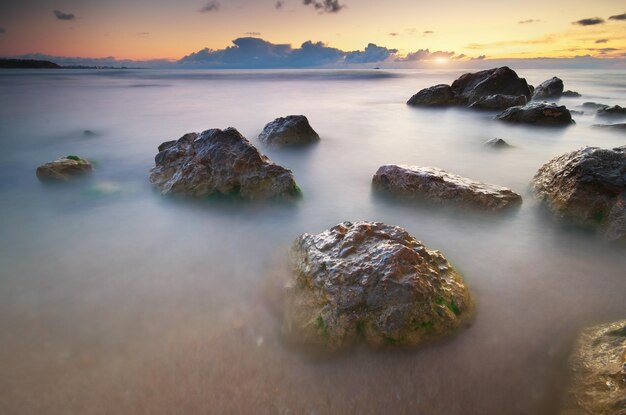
<point>538,113</point>
<point>64,169</point>
<point>614,110</point>
<point>498,102</point>
<point>594,105</point>
<point>89,133</point>
<point>293,130</point>
<point>497,143</point>
<point>570,94</point>
<point>434,96</point>
<point>552,88</point>
<point>442,187</point>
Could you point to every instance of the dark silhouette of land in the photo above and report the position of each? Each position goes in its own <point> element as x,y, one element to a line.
<point>27,64</point>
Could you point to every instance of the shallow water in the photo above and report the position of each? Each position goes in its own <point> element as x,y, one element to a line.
<point>114,299</point>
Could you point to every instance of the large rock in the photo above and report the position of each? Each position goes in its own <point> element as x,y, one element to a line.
<point>434,96</point>
<point>587,186</point>
<point>64,169</point>
<point>539,113</point>
<point>598,368</point>
<point>292,130</point>
<point>442,187</point>
<point>370,282</point>
<point>219,162</point>
<point>552,88</point>
<point>504,81</point>
<point>498,102</point>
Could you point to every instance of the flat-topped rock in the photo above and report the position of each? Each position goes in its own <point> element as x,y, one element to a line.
<point>373,283</point>
<point>616,127</point>
<point>434,96</point>
<point>498,102</point>
<point>587,186</point>
<point>570,94</point>
<point>442,187</point>
<point>538,113</point>
<point>219,162</point>
<point>598,370</point>
<point>552,88</point>
<point>64,169</point>
<point>292,130</point>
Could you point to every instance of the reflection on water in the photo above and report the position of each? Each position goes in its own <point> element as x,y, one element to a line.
<point>114,299</point>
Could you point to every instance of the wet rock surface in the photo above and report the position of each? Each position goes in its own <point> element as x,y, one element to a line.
<point>538,113</point>
<point>64,169</point>
<point>498,102</point>
<point>439,186</point>
<point>587,186</point>
<point>373,283</point>
<point>598,369</point>
<point>292,130</point>
<point>552,88</point>
<point>434,96</point>
<point>219,162</point>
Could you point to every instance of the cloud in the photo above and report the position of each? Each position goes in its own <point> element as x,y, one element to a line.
<point>601,41</point>
<point>252,33</point>
<point>536,41</point>
<point>428,32</point>
<point>589,22</point>
<point>63,16</point>
<point>372,53</point>
<point>393,34</point>
<point>459,57</point>
<point>479,58</point>
<point>328,6</point>
<point>211,6</point>
<point>425,55</point>
<point>527,21</point>
<point>618,17</point>
<point>144,33</point>
<point>279,4</point>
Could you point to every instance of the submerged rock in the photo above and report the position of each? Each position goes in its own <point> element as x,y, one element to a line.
<point>498,102</point>
<point>219,162</point>
<point>587,186</point>
<point>442,187</point>
<point>598,367</point>
<point>497,143</point>
<point>594,105</point>
<point>552,88</point>
<point>370,282</point>
<point>614,110</point>
<point>64,169</point>
<point>292,130</point>
<point>434,96</point>
<point>539,113</point>
<point>570,94</point>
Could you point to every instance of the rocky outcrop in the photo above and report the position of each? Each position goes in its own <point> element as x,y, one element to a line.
<point>497,143</point>
<point>471,87</point>
<point>292,130</point>
<point>370,282</point>
<point>587,186</point>
<point>439,186</point>
<point>498,102</point>
<point>611,111</point>
<point>598,369</point>
<point>434,96</point>
<point>219,162</point>
<point>570,94</point>
<point>552,88</point>
<point>64,169</point>
<point>539,113</point>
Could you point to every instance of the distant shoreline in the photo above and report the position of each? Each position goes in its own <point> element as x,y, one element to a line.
<point>43,64</point>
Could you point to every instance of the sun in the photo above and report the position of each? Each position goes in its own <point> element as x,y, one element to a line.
<point>441,60</point>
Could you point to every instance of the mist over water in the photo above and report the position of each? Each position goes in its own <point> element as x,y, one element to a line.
<point>114,299</point>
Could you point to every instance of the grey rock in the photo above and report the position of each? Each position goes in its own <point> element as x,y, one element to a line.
<point>497,143</point>
<point>219,162</point>
<point>497,81</point>
<point>538,113</point>
<point>594,105</point>
<point>598,372</point>
<point>552,88</point>
<point>293,130</point>
<point>370,282</point>
<point>588,187</point>
<point>498,102</point>
<point>434,96</point>
<point>615,110</point>
<point>570,94</point>
<point>64,169</point>
<point>439,186</point>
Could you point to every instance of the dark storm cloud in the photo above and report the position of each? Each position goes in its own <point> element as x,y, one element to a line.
<point>279,4</point>
<point>589,22</point>
<point>602,41</point>
<point>250,52</point>
<point>618,17</point>
<point>527,21</point>
<point>328,6</point>
<point>63,16</point>
<point>425,54</point>
<point>211,6</point>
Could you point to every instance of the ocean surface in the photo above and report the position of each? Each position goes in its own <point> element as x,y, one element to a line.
<point>116,300</point>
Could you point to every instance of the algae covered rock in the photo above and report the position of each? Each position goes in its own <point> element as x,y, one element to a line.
<point>373,283</point>
<point>64,169</point>
<point>219,162</point>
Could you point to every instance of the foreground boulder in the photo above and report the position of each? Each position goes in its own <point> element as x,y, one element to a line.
<point>219,162</point>
<point>598,366</point>
<point>587,186</point>
<point>292,130</point>
<point>442,187</point>
<point>370,282</point>
<point>498,102</point>
<point>539,113</point>
<point>64,169</point>
<point>552,88</point>
<point>471,87</point>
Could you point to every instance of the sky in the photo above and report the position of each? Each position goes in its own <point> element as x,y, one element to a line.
<point>312,32</point>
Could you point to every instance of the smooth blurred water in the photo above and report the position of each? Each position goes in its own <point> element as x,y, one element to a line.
<point>114,299</point>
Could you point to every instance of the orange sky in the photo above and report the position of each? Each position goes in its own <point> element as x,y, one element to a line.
<point>148,29</point>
